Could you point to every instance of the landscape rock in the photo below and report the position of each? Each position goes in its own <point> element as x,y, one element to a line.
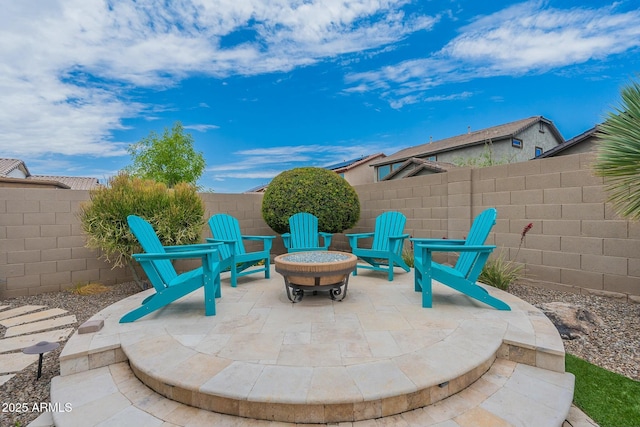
<point>572,321</point>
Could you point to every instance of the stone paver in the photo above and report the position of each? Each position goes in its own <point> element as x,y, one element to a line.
<point>15,362</point>
<point>42,325</point>
<point>5,378</point>
<point>262,357</point>
<point>123,395</point>
<point>32,317</point>
<point>19,310</point>
<point>20,342</point>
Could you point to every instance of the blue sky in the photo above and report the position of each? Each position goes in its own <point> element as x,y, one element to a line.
<point>267,85</point>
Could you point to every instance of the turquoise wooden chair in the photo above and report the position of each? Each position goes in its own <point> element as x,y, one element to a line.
<point>226,230</point>
<point>170,286</point>
<point>304,235</point>
<point>462,277</point>
<point>386,248</point>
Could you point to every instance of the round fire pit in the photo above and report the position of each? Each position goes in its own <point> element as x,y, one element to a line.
<point>316,270</point>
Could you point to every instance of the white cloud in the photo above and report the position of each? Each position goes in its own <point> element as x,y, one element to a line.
<point>525,38</point>
<point>66,66</point>
<point>266,163</point>
<point>201,127</point>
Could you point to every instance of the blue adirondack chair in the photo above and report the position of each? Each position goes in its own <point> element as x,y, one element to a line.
<point>386,248</point>
<point>170,286</point>
<point>462,277</point>
<point>226,230</point>
<point>304,235</point>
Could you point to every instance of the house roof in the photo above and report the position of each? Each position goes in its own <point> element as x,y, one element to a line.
<point>350,164</point>
<point>258,189</point>
<point>469,139</point>
<point>584,136</point>
<point>73,182</point>
<point>353,163</point>
<point>420,165</point>
<point>22,182</point>
<point>9,165</point>
<point>68,182</point>
<point>336,167</point>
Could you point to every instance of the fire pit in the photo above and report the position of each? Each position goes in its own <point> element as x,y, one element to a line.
<point>314,271</point>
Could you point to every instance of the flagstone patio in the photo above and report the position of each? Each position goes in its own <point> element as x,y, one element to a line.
<point>376,358</point>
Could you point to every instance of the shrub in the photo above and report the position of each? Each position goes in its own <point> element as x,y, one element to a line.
<point>619,154</point>
<point>500,273</point>
<point>176,215</point>
<point>318,191</point>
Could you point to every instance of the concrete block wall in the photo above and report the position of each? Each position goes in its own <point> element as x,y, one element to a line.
<point>42,246</point>
<point>576,244</point>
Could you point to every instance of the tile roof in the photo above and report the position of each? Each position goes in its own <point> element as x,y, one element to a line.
<point>71,182</point>
<point>468,139</point>
<point>9,165</point>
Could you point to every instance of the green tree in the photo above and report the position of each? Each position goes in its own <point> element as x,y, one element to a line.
<point>169,159</point>
<point>618,156</point>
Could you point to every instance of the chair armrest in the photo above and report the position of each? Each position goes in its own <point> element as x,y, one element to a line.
<point>176,255</point>
<point>402,236</point>
<point>418,240</point>
<point>448,248</point>
<point>215,241</point>
<point>360,235</point>
<point>286,239</point>
<point>194,247</point>
<point>327,238</point>
<point>353,238</point>
<point>267,241</point>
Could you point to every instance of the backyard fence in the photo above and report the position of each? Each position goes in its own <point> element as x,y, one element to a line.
<point>577,243</point>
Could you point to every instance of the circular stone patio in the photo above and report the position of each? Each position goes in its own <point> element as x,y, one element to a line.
<point>375,354</point>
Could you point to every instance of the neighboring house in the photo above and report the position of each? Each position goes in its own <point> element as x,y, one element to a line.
<point>416,167</point>
<point>14,173</point>
<point>511,142</point>
<point>586,142</point>
<point>355,171</point>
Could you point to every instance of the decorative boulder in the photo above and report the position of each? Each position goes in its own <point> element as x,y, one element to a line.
<point>571,321</point>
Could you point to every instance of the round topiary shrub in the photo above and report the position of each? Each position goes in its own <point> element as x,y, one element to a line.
<point>318,191</point>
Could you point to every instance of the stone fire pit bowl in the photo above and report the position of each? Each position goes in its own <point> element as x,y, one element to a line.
<point>314,271</point>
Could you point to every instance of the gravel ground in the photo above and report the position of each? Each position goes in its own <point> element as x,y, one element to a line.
<point>615,346</point>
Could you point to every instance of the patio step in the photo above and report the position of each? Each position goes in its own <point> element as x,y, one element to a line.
<point>508,394</point>
<point>377,355</point>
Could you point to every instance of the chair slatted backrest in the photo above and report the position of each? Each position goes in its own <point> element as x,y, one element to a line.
<point>388,224</point>
<point>226,227</point>
<point>478,234</point>
<point>150,243</point>
<point>304,230</point>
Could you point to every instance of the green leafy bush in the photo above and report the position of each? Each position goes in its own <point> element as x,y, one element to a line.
<point>176,214</point>
<point>318,191</point>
